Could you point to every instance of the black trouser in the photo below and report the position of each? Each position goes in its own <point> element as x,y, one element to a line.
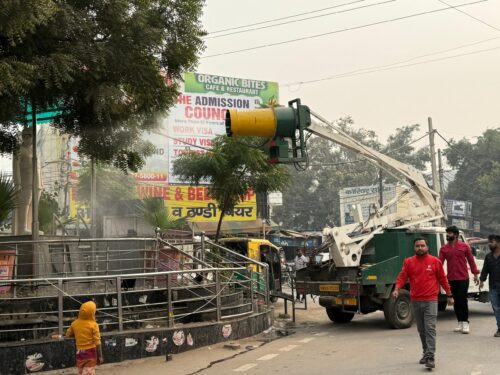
<point>459,290</point>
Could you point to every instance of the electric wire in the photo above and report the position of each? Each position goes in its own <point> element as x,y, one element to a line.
<point>470,15</point>
<point>302,19</point>
<point>408,144</point>
<point>444,139</point>
<point>340,30</point>
<point>394,65</point>
<point>284,18</point>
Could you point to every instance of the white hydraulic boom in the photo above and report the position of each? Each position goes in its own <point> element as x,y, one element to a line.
<point>416,202</point>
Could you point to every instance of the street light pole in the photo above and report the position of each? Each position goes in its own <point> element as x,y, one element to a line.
<point>34,166</point>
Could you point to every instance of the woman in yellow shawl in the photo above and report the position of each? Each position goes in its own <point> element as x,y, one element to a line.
<point>88,339</point>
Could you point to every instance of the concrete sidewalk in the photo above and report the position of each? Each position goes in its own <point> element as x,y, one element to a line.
<point>193,361</point>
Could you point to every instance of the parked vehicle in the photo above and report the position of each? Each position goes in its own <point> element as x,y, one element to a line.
<point>262,251</point>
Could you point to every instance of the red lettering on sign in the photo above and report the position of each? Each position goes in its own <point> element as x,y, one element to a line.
<point>184,99</point>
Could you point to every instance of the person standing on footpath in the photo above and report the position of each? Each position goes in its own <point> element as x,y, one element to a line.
<point>491,269</point>
<point>425,273</point>
<point>300,263</point>
<point>458,254</point>
<point>88,339</point>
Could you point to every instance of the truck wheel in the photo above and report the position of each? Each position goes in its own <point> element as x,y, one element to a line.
<point>338,316</point>
<point>442,305</point>
<point>397,312</point>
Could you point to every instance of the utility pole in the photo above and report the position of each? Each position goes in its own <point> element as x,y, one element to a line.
<point>34,192</point>
<point>93,223</point>
<point>441,176</point>
<point>34,166</point>
<point>435,181</point>
<point>93,188</point>
<point>380,189</point>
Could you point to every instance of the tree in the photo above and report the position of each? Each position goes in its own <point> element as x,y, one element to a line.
<point>155,213</point>
<point>312,201</point>
<point>478,176</point>
<point>399,146</point>
<point>47,209</point>
<point>232,167</point>
<point>102,64</point>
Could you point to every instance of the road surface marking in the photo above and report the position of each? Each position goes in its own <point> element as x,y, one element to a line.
<point>267,357</point>
<point>306,340</point>
<point>477,370</point>
<point>287,348</point>
<point>320,334</point>
<point>244,368</point>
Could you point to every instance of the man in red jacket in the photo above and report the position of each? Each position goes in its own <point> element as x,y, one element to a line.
<point>458,254</point>
<point>425,272</point>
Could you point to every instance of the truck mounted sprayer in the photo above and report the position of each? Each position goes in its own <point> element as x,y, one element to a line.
<point>355,269</point>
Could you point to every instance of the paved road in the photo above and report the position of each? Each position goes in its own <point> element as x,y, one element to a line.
<point>364,346</point>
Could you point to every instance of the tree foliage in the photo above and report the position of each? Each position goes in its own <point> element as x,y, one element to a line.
<point>48,207</point>
<point>232,167</point>
<point>102,63</point>
<point>312,201</point>
<point>478,176</point>
<point>155,213</point>
<point>7,197</point>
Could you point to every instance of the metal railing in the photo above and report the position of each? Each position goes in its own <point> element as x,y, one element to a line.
<point>174,285</point>
<point>229,257</point>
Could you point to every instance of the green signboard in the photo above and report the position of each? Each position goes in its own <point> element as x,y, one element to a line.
<point>198,83</point>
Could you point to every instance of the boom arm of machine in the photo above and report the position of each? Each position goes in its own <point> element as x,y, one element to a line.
<point>415,201</point>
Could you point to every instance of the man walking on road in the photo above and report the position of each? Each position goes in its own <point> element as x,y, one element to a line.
<point>425,273</point>
<point>458,254</point>
<point>491,268</point>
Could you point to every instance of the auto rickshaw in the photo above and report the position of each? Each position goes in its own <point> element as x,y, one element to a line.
<point>262,251</point>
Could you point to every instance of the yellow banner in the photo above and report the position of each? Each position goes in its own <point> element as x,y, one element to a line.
<point>194,203</point>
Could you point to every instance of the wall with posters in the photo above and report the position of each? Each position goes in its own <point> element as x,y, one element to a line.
<point>192,123</point>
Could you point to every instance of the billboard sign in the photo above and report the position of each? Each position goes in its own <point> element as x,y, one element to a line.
<point>366,196</point>
<point>195,204</point>
<point>458,208</point>
<point>197,117</point>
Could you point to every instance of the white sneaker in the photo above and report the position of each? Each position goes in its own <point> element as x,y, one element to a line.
<point>465,327</point>
<point>460,327</point>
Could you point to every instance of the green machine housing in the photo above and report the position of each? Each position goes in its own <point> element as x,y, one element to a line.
<point>383,265</point>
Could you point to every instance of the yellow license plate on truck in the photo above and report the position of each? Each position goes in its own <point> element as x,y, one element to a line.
<point>329,288</point>
<point>350,301</point>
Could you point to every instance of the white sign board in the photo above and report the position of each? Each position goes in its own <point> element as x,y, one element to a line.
<point>366,196</point>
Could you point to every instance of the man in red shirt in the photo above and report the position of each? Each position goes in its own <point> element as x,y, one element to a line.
<point>425,273</point>
<point>458,254</point>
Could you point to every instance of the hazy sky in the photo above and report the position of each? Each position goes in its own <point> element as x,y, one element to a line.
<point>461,94</point>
